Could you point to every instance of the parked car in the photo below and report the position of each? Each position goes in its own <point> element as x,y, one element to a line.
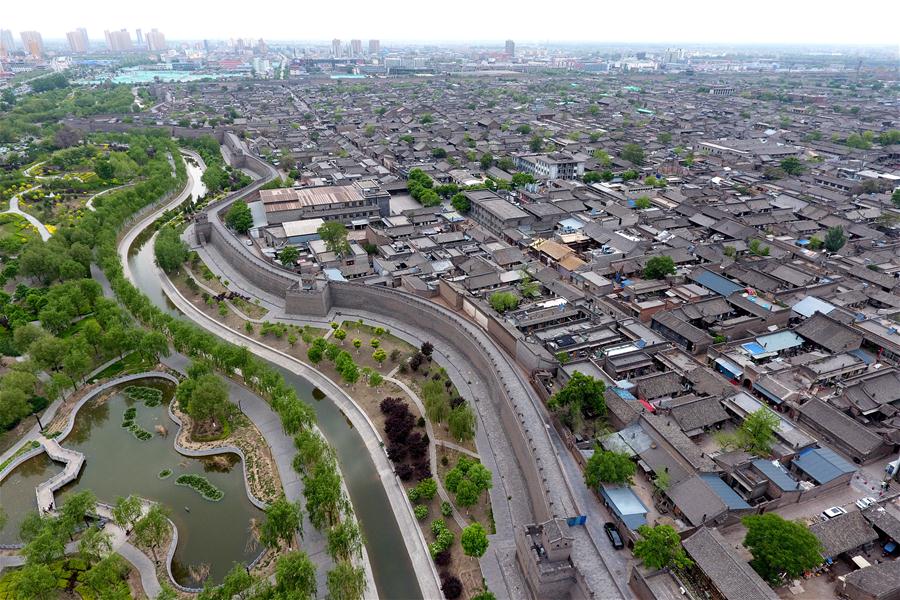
<point>864,503</point>
<point>613,534</point>
<point>249,242</point>
<point>834,511</point>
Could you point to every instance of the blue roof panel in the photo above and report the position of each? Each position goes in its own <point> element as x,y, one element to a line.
<point>823,465</point>
<point>776,474</point>
<point>731,498</point>
<point>720,285</point>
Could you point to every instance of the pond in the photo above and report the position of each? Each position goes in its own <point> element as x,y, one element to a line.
<point>17,495</point>
<point>118,464</point>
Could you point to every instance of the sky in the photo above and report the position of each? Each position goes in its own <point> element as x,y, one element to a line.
<point>821,22</point>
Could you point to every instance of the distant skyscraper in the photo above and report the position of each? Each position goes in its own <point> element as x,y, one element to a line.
<point>336,48</point>
<point>156,41</point>
<point>510,48</point>
<point>139,37</point>
<point>78,40</point>
<point>261,47</point>
<point>355,48</point>
<point>374,47</point>
<point>119,41</point>
<point>7,43</point>
<point>33,43</point>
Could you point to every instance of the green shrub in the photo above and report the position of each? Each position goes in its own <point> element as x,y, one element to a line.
<point>202,486</point>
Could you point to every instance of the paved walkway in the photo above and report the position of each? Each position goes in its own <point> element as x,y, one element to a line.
<point>73,460</point>
<point>14,209</point>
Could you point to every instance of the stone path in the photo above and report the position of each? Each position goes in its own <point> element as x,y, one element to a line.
<point>73,460</point>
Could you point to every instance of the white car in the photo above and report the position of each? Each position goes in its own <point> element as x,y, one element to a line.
<point>864,503</point>
<point>834,511</point>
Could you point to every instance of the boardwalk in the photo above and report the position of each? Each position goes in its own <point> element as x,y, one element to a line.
<point>73,460</point>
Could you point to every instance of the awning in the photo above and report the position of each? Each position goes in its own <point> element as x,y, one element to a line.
<point>648,406</point>
<point>729,368</point>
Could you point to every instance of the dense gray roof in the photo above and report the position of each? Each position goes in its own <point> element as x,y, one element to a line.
<point>843,533</point>
<point>731,575</point>
<point>877,581</point>
<point>828,333</point>
<point>840,426</point>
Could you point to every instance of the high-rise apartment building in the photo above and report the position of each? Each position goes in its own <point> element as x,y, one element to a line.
<point>156,41</point>
<point>355,48</point>
<point>7,42</point>
<point>139,37</point>
<point>33,43</point>
<point>78,40</point>
<point>119,41</point>
<point>510,48</point>
<point>374,47</point>
<point>336,48</point>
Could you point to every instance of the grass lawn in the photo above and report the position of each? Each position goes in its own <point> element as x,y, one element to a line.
<point>132,363</point>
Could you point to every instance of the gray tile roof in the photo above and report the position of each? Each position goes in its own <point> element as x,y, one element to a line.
<point>731,575</point>
<point>844,533</point>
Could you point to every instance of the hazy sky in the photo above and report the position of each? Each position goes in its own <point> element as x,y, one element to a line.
<point>661,21</point>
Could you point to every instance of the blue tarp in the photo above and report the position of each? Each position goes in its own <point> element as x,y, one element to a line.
<point>822,464</point>
<point>753,348</point>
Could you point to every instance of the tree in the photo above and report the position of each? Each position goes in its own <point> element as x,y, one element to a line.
<point>664,137</point>
<point>295,576</point>
<point>104,169</point>
<point>468,479</point>
<point>487,160</point>
<point>461,203</point>
<point>334,234</point>
<point>461,422</point>
<point>536,143</point>
<point>582,396</point>
<point>239,217</point>
<point>835,238</point>
<point>127,511</point>
<point>345,540</point>
<point>346,582</point>
<point>660,547</point>
<point>520,179</point>
<point>78,507</point>
<point>76,364</point>
<point>792,165</point>
<point>47,546</point>
<point>37,582</point>
<point>207,399</point>
<point>757,249</point>
<point>152,529</point>
<point>895,198</point>
<point>633,154</point>
<point>503,301</point>
<point>780,546</point>
<point>643,203</point>
<point>658,267</point>
<point>170,250</point>
<point>379,355</point>
<point>340,335</point>
<point>757,433</point>
<point>94,544</point>
<point>608,467</point>
<point>283,520</point>
<point>288,256</point>
<point>474,540</point>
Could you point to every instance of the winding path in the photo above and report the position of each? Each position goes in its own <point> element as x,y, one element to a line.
<point>15,210</point>
<point>90,203</point>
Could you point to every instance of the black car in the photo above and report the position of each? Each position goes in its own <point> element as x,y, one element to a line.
<point>613,534</point>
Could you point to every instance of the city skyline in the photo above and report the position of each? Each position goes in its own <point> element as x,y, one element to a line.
<point>703,24</point>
